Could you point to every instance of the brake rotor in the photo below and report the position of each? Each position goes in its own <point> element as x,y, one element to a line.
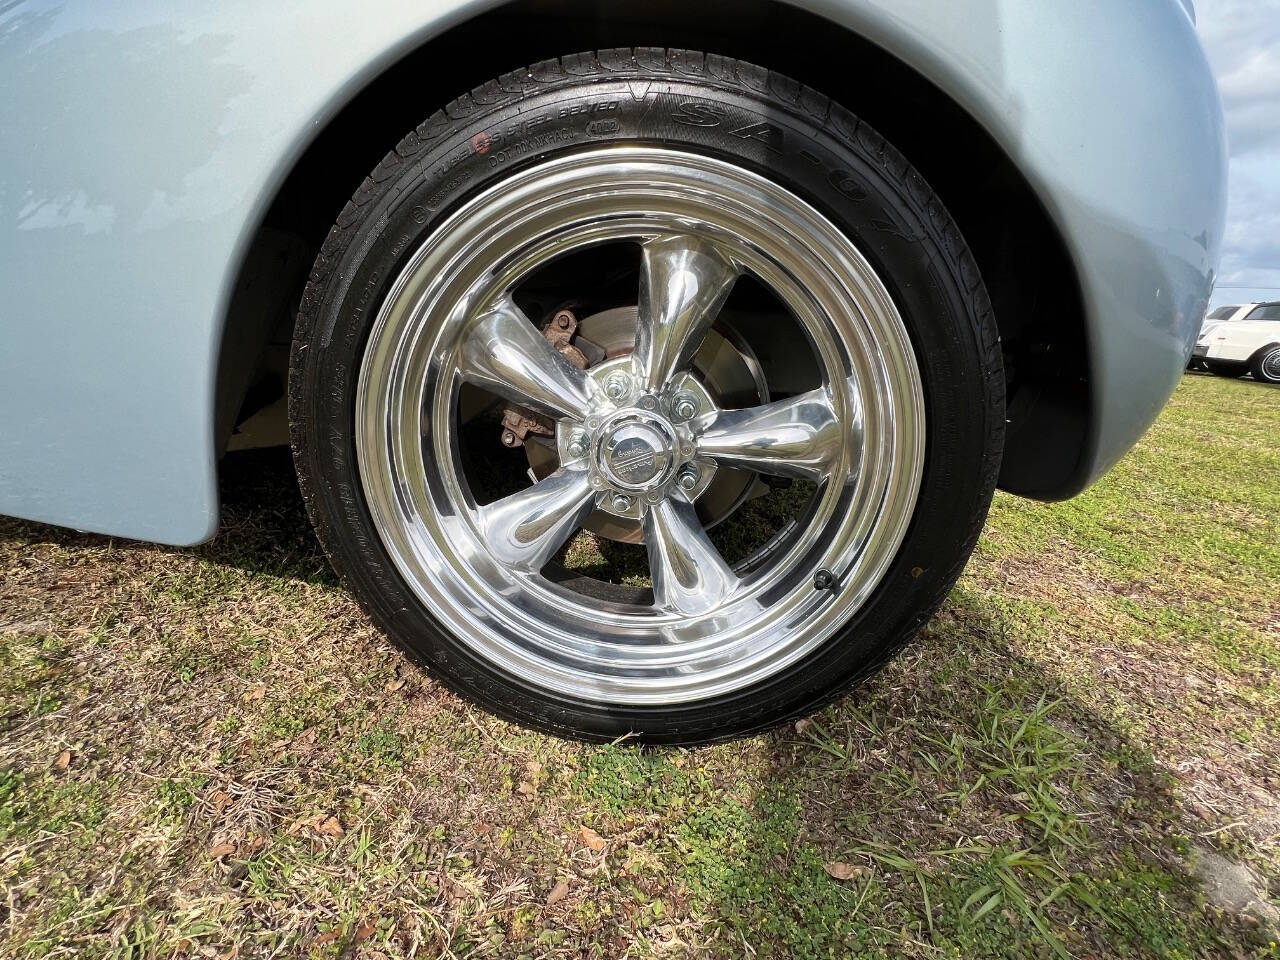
<point>728,369</point>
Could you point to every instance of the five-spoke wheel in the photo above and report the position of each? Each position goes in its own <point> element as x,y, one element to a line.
<point>626,421</point>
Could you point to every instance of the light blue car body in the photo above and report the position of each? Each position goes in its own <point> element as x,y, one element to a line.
<point>141,142</point>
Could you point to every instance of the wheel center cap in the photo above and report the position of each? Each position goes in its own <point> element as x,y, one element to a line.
<point>636,452</point>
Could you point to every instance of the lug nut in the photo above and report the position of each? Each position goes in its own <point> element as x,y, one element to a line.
<point>617,387</point>
<point>684,406</point>
<point>689,477</point>
<point>621,503</point>
<point>578,446</point>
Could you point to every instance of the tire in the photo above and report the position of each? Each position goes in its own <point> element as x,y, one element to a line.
<point>674,117</point>
<point>1221,368</point>
<point>1265,364</point>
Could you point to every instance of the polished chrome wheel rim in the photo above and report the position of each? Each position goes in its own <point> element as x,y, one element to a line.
<point>639,437</point>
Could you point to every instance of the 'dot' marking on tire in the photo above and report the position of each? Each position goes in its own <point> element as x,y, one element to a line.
<point>481,143</point>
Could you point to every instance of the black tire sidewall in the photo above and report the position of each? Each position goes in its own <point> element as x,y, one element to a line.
<point>834,162</point>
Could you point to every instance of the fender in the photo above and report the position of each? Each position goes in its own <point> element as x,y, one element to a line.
<point>145,141</point>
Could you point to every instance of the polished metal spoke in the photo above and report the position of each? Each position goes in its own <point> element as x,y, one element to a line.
<point>684,281</point>
<point>689,575</point>
<point>525,529</point>
<point>800,437</point>
<point>504,353</point>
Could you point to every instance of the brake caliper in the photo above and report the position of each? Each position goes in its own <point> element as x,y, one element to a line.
<point>519,422</point>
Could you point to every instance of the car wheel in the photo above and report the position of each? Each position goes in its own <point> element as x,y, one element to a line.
<point>691,308</point>
<point>1266,364</point>
<point>1227,369</point>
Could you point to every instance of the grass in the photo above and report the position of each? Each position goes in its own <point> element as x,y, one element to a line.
<point>211,753</point>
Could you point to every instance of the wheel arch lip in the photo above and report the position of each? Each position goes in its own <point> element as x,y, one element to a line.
<point>1262,350</point>
<point>1062,91</point>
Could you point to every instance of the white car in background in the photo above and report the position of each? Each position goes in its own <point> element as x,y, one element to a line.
<point>1216,317</point>
<point>1237,346</point>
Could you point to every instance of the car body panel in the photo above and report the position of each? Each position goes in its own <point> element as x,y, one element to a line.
<point>1239,340</point>
<point>1228,315</point>
<point>145,141</point>
<point>1215,319</point>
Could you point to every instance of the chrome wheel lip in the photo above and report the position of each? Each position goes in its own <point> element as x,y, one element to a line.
<point>541,634</point>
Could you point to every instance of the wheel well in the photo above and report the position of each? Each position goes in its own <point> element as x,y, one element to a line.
<point>1030,276</point>
<point>1257,355</point>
